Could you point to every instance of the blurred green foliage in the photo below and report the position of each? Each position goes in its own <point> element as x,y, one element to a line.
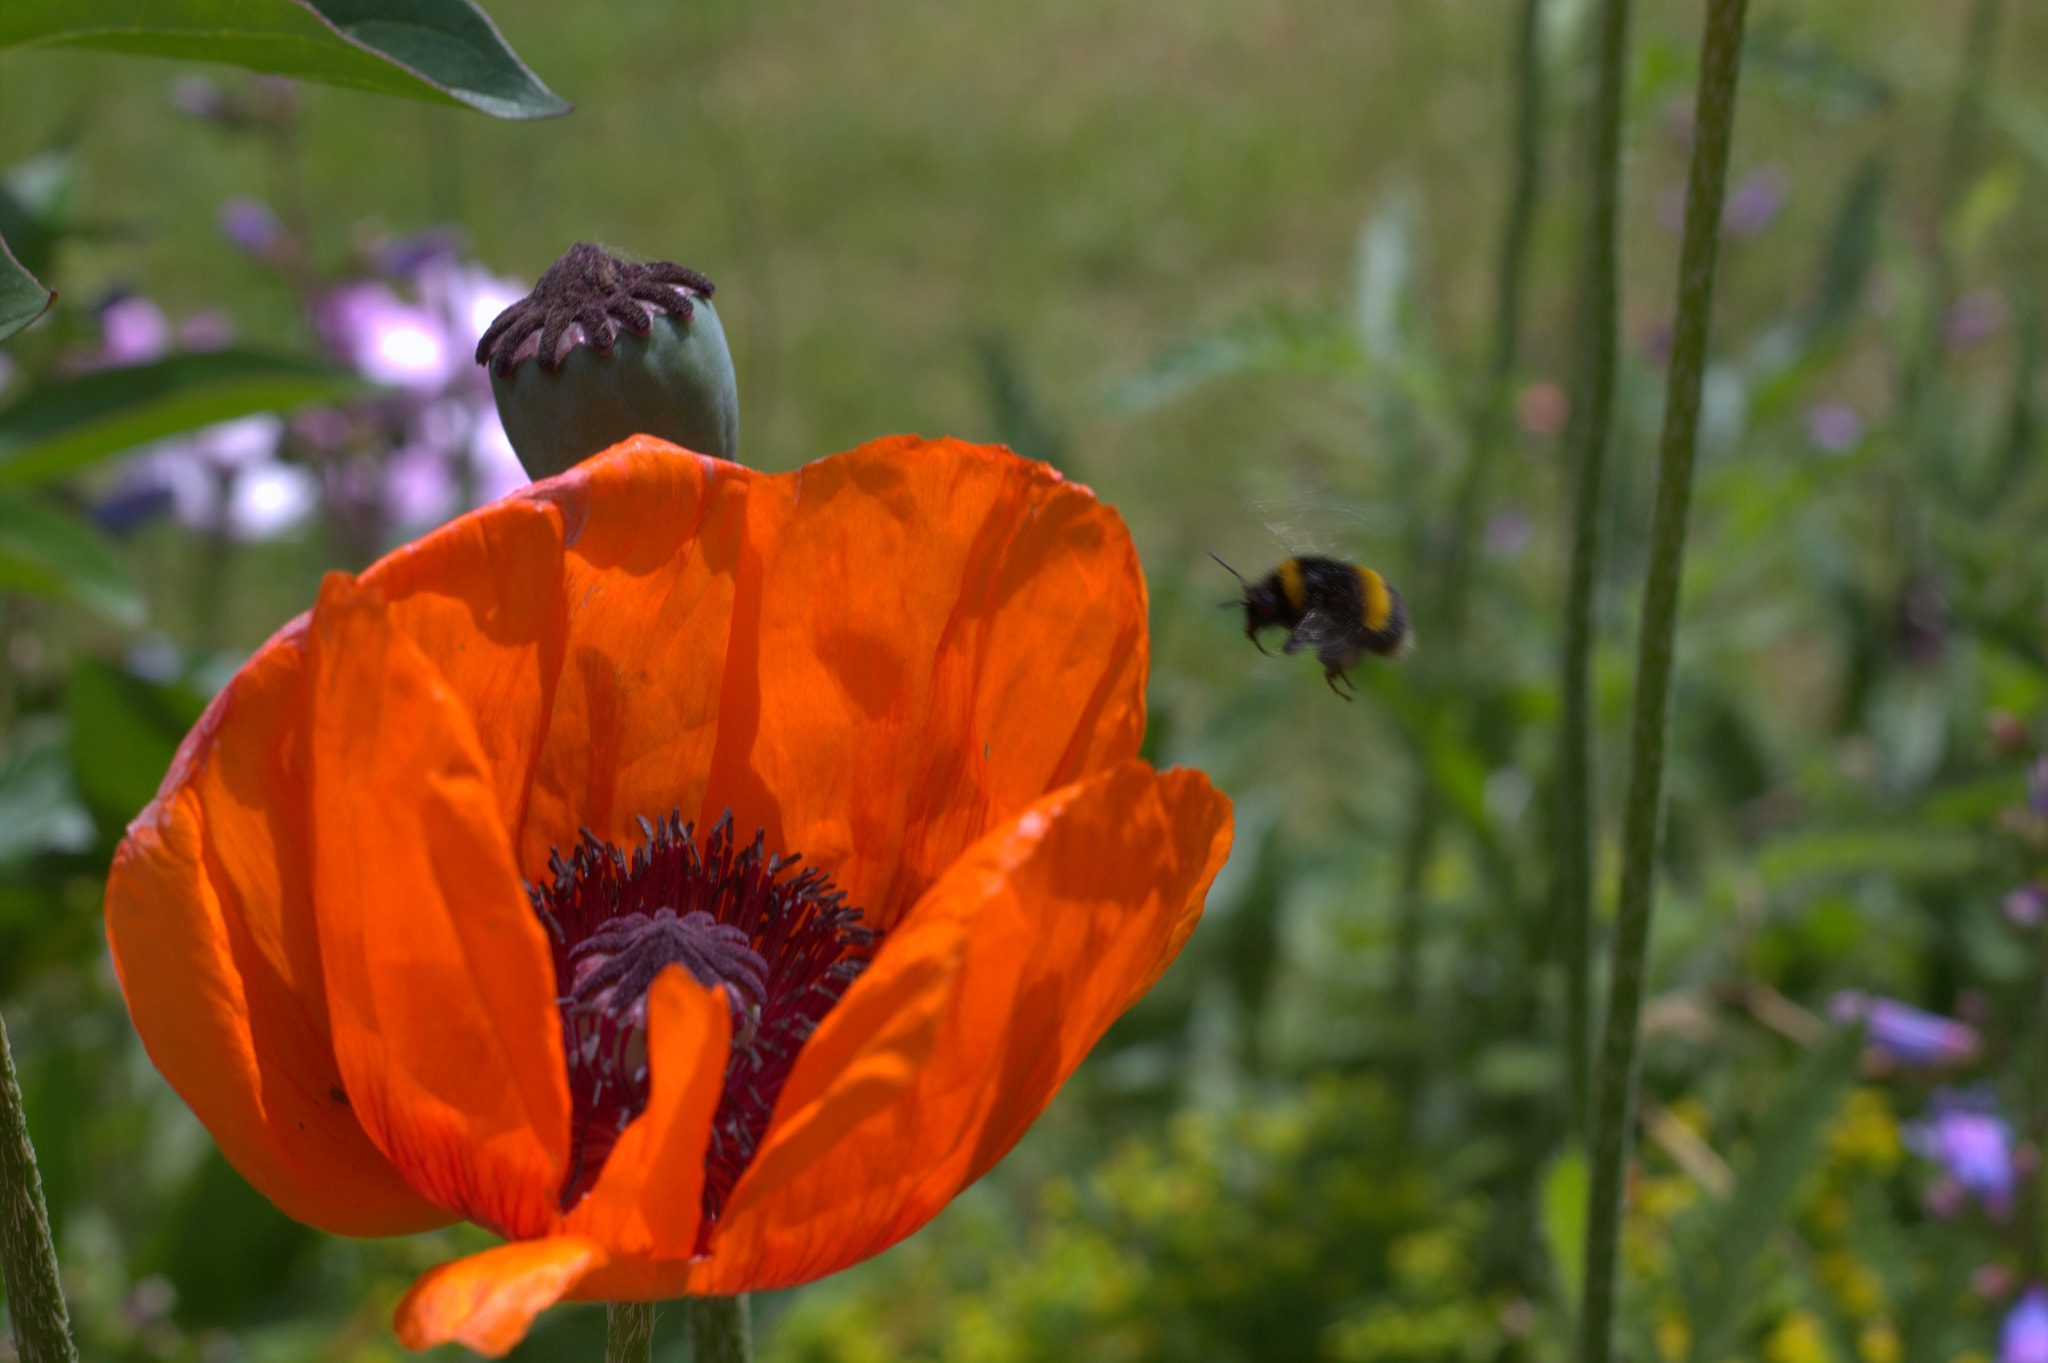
<point>1232,265</point>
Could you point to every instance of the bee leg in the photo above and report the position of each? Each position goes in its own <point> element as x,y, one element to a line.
<point>1333,676</point>
<point>1257,645</point>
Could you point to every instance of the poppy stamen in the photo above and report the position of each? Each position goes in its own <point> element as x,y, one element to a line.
<point>784,947</point>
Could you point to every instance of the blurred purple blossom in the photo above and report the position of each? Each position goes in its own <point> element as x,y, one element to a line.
<point>386,339</point>
<point>225,479</point>
<point>209,330</point>
<point>1965,1135</point>
<point>2037,786</point>
<point>133,330</point>
<point>2026,906</point>
<point>1974,318</point>
<point>1833,427</point>
<point>447,445</point>
<point>251,226</point>
<point>1755,203</point>
<point>199,97</point>
<point>2024,1336</point>
<point>407,257</point>
<point>1508,534</point>
<point>1907,1035</point>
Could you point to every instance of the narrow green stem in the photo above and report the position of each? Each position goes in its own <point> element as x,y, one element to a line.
<point>28,1258</point>
<point>720,1328</point>
<point>1596,341</point>
<point>1489,412</point>
<point>1489,417</point>
<point>1650,721</point>
<point>629,1332</point>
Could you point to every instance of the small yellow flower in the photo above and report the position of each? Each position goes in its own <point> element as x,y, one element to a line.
<point>1797,1340</point>
<point>1674,1338</point>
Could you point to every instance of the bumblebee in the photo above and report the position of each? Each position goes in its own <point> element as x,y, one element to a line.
<point>1339,609</point>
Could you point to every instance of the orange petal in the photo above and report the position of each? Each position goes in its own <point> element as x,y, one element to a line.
<point>645,1204</point>
<point>653,535</point>
<point>1063,917</point>
<point>482,597</point>
<point>488,1301</point>
<point>209,915</point>
<point>927,636</point>
<point>439,982</point>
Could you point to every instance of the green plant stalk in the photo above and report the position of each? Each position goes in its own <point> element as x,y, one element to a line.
<point>1489,417</point>
<point>1650,720</point>
<point>720,1329</point>
<point>1596,341</point>
<point>1488,426</point>
<point>28,1258</point>
<point>629,1332</point>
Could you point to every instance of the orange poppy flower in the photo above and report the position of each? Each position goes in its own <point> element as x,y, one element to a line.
<point>422,925</point>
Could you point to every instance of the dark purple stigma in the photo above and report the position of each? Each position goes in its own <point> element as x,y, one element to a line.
<point>783,947</point>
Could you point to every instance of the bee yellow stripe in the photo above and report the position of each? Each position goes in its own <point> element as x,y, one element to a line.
<point>1289,573</point>
<point>1379,605</point>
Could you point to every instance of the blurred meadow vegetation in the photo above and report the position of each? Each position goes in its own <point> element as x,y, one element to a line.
<point>1235,264</point>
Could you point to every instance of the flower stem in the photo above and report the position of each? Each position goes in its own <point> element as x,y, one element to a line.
<point>629,1332</point>
<point>28,1259</point>
<point>720,1329</point>
<point>1650,721</point>
<point>1597,343</point>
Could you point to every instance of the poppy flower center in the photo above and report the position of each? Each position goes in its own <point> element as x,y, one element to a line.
<point>782,945</point>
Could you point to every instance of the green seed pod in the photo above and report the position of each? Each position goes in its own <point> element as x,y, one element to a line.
<point>616,349</point>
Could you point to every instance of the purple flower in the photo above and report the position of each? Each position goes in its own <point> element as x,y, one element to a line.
<point>1972,1143</point>
<point>251,226</point>
<point>1755,204</point>
<point>209,330</point>
<point>199,97</point>
<point>2024,1336</point>
<point>224,478</point>
<point>2037,786</point>
<point>1833,427</point>
<point>386,339</point>
<point>406,257</point>
<point>2026,906</point>
<point>1975,318</point>
<point>1907,1035</point>
<point>1508,534</point>
<point>493,464</point>
<point>133,331</point>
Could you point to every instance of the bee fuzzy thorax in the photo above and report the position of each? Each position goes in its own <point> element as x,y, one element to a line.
<point>1339,610</point>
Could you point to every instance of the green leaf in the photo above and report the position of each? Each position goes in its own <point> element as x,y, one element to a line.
<point>52,552</point>
<point>1788,1140</point>
<point>23,297</point>
<point>1564,1224</point>
<point>1912,853</point>
<point>124,732</point>
<point>447,51</point>
<point>62,428</point>
<point>39,807</point>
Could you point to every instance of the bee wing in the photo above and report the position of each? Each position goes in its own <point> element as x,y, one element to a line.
<point>1320,627</point>
<point>1314,522</point>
